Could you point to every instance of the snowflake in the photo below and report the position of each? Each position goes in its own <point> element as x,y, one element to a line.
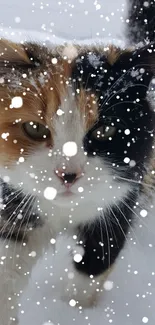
<point>6,179</point>
<point>60,112</point>
<point>52,241</point>
<point>72,303</point>
<point>17,20</point>
<point>77,258</point>
<point>126,160</point>
<point>70,148</point>
<point>33,254</point>
<point>108,285</point>
<point>127,131</point>
<point>50,193</point>
<point>143,213</point>
<point>21,159</point>
<point>80,189</point>
<point>54,60</point>
<point>4,135</point>
<point>16,102</point>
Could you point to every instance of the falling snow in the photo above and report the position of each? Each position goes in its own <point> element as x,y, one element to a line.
<point>50,193</point>
<point>145,320</point>
<point>108,285</point>
<point>77,258</point>
<point>143,213</point>
<point>16,102</point>
<point>126,160</point>
<point>54,60</point>
<point>130,294</point>
<point>70,149</point>
<point>72,303</point>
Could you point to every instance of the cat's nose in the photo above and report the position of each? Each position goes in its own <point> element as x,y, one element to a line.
<point>68,178</point>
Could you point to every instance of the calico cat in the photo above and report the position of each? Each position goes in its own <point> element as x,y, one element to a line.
<point>76,144</point>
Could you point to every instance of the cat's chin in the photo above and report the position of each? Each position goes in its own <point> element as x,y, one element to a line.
<point>66,199</point>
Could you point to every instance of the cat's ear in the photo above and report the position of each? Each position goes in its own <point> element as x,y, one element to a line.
<point>140,61</point>
<point>14,55</point>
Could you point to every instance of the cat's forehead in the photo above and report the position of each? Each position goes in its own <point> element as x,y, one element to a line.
<point>66,71</point>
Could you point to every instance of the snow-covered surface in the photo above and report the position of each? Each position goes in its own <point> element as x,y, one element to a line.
<point>70,19</point>
<point>131,301</point>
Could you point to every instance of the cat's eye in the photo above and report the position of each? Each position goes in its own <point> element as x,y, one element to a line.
<point>36,131</point>
<point>103,133</point>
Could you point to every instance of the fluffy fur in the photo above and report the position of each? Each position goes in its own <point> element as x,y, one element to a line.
<point>74,92</point>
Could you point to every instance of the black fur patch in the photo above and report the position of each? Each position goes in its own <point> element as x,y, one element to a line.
<point>141,24</point>
<point>104,239</point>
<point>18,215</point>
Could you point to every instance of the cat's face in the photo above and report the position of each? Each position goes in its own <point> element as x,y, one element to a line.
<point>74,130</point>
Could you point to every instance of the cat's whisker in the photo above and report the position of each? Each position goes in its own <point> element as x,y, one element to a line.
<point>31,205</point>
<point>23,216</point>
<point>28,202</point>
<point>129,224</point>
<point>102,239</point>
<point>118,223</point>
<point>137,216</point>
<point>136,182</point>
<point>122,103</point>
<point>6,224</point>
<point>15,196</point>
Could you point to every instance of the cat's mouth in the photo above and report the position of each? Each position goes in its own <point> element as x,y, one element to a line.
<point>67,194</point>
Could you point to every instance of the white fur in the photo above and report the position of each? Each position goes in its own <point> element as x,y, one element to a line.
<point>100,190</point>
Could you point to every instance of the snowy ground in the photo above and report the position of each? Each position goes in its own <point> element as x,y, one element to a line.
<point>131,301</point>
<point>132,298</point>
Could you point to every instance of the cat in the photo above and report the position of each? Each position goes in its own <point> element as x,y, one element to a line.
<point>76,145</point>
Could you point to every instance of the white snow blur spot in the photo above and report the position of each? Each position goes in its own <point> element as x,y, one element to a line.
<point>146,4</point>
<point>132,163</point>
<point>20,216</point>
<point>60,112</point>
<point>98,6</point>
<point>33,254</point>
<point>21,159</point>
<point>54,60</point>
<point>77,258</point>
<point>127,131</point>
<point>80,189</point>
<point>145,320</point>
<point>108,285</point>
<point>70,52</point>
<point>16,102</point>
<point>72,303</point>
<point>17,20</point>
<point>78,254</point>
<point>52,241</point>
<point>2,80</point>
<point>70,148</point>
<point>153,81</point>
<point>143,213</point>
<point>94,60</point>
<point>70,275</point>
<point>4,135</point>
<point>126,160</point>
<point>50,193</point>
<point>6,179</point>
<point>32,175</point>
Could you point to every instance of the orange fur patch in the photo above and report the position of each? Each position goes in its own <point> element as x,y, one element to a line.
<point>42,93</point>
